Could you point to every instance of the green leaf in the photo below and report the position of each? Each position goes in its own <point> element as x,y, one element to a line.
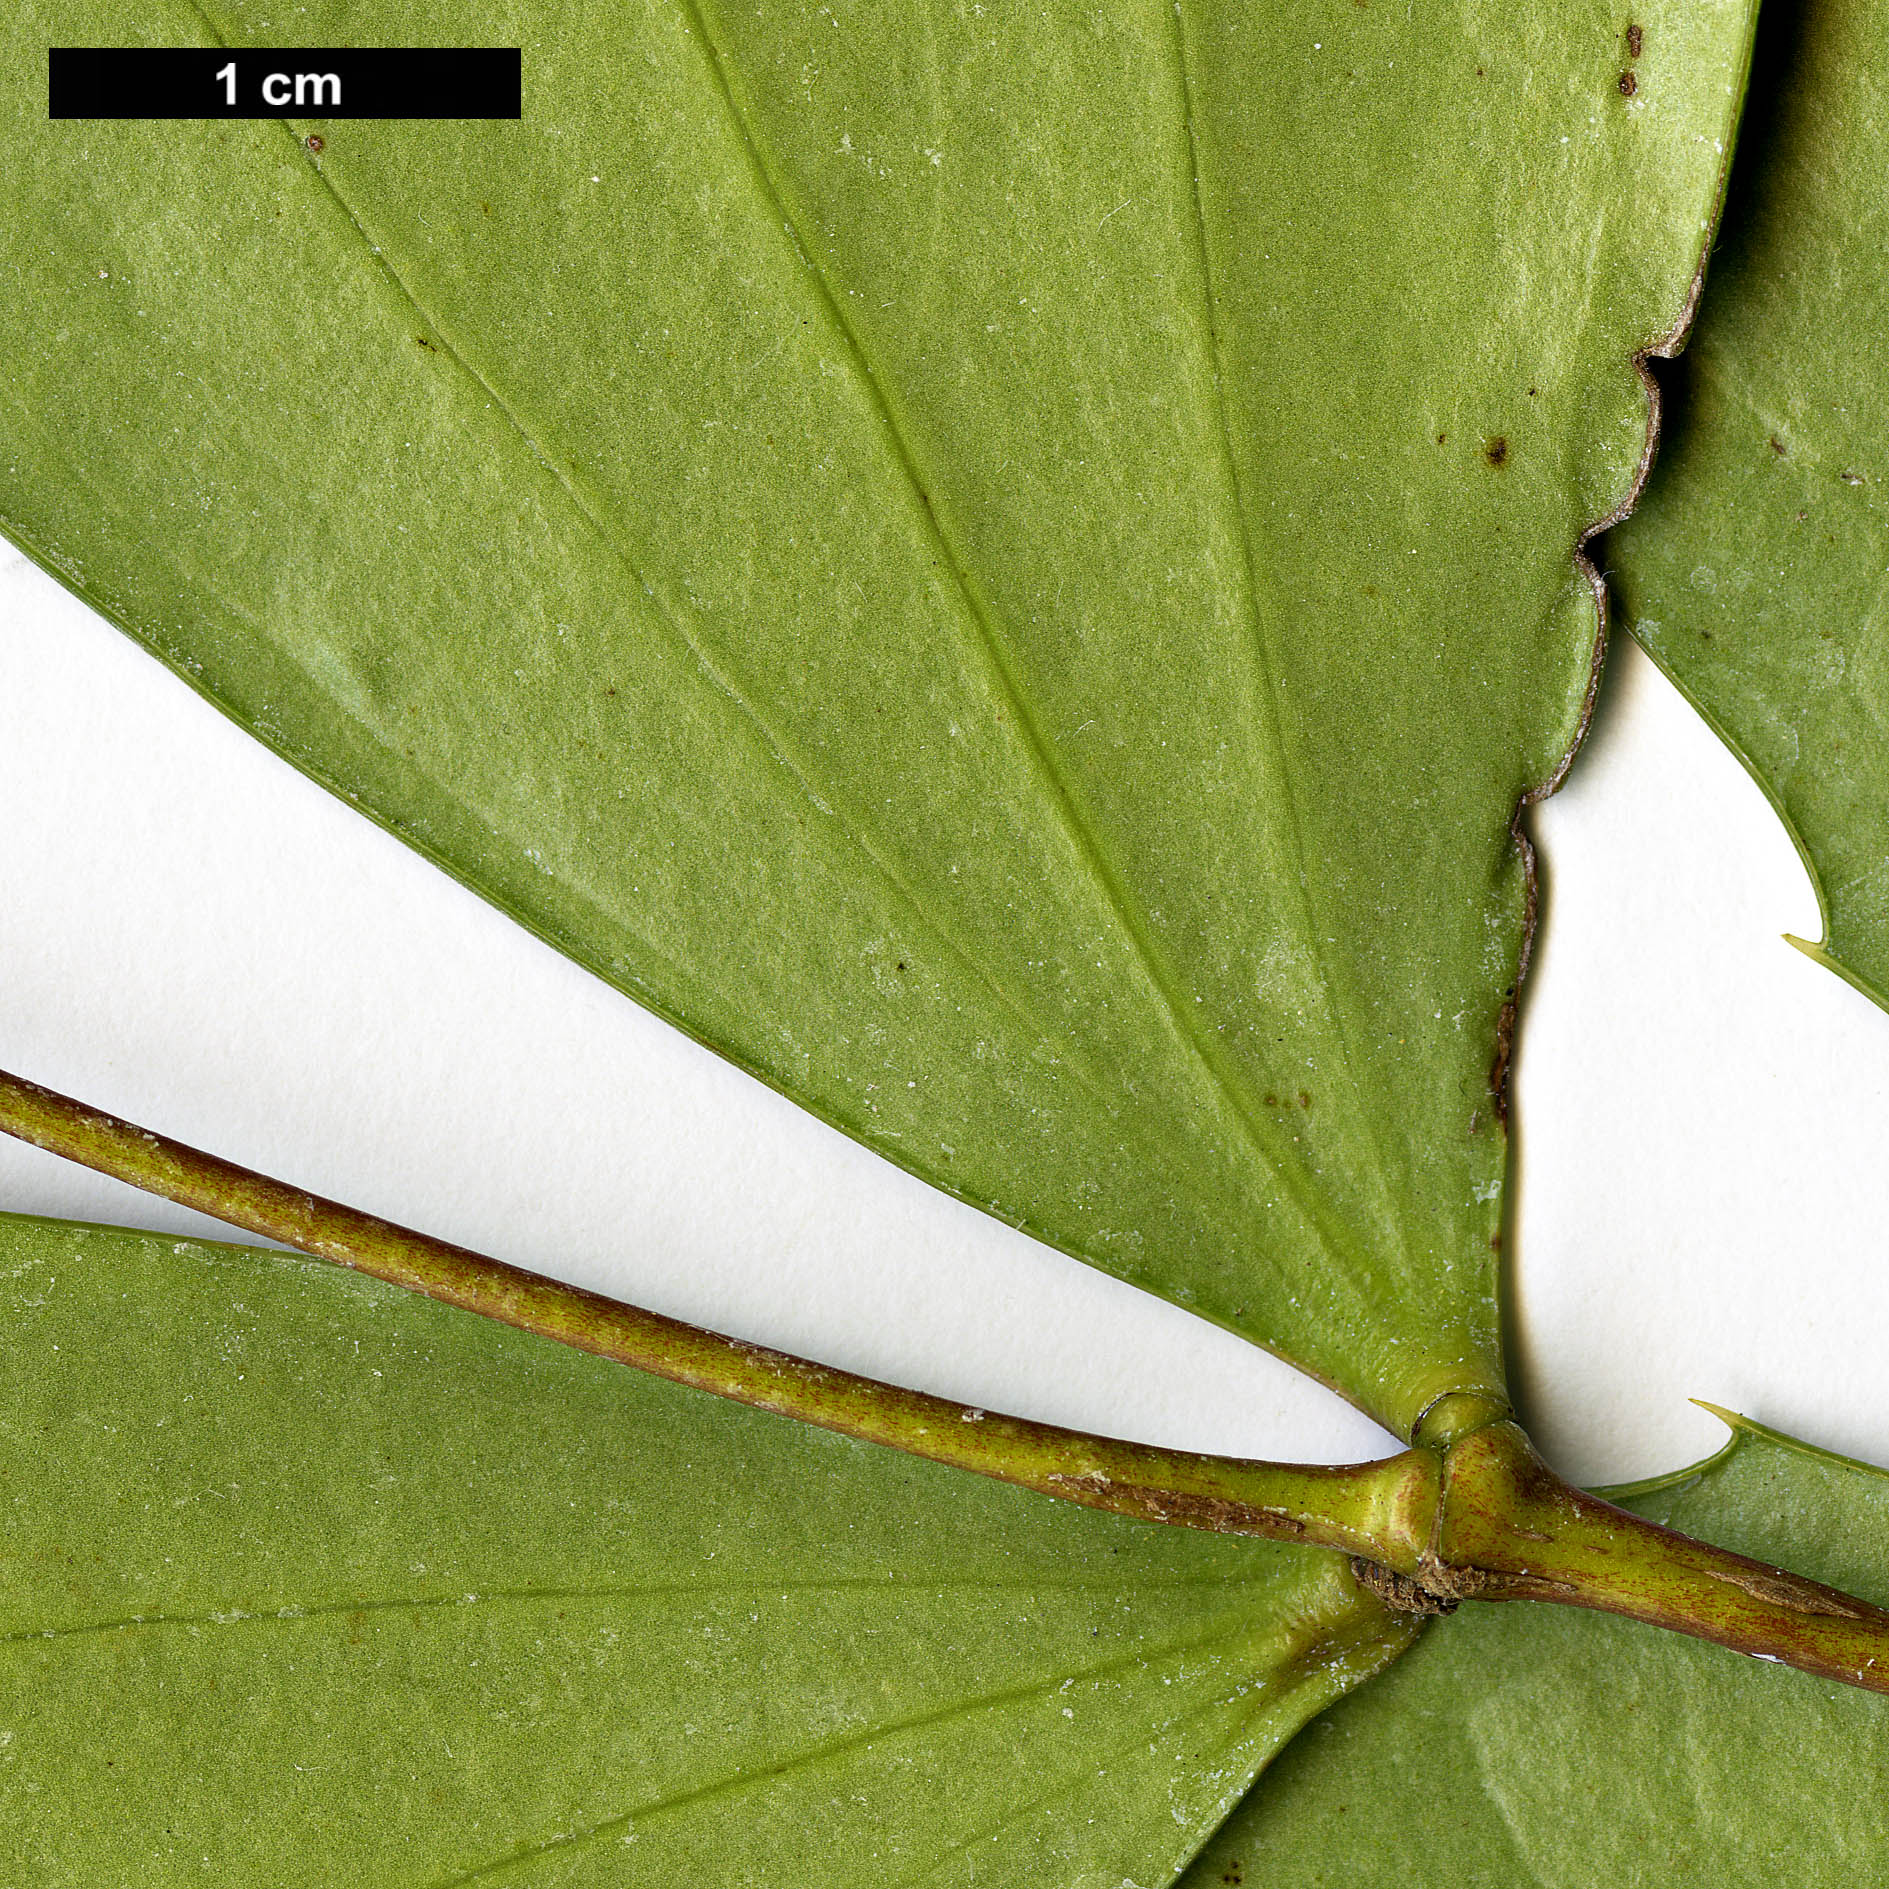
<point>305,1579</point>
<point>1754,573</point>
<point>1005,568</point>
<point>1527,1744</point>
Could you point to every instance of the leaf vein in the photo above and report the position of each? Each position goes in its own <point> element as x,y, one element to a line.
<point>825,1754</point>
<point>1067,1053</point>
<point>289,1612</point>
<point>1267,677</point>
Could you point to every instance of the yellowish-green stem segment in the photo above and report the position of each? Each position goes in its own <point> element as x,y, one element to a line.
<point>1470,1512</point>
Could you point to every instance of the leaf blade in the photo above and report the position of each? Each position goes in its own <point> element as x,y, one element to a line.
<point>321,1577</point>
<point>1752,575</point>
<point>983,651</point>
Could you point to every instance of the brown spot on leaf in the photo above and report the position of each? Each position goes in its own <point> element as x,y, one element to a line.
<point>1497,451</point>
<point>1305,1101</point>
<point>1777,445</point>
<point>316,142</point>
<point>1634,37</point>
<point>1850,478</point>
<point>1628,85</point>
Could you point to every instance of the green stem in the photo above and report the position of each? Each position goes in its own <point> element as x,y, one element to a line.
<point>1470,1512</point>
<point>1510,1529</point>
<point>1378,1510</point>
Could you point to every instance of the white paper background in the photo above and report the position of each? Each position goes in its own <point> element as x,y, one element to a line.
<point>194,936</point>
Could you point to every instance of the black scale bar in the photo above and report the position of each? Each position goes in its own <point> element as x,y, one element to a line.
<point>283,82</point>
